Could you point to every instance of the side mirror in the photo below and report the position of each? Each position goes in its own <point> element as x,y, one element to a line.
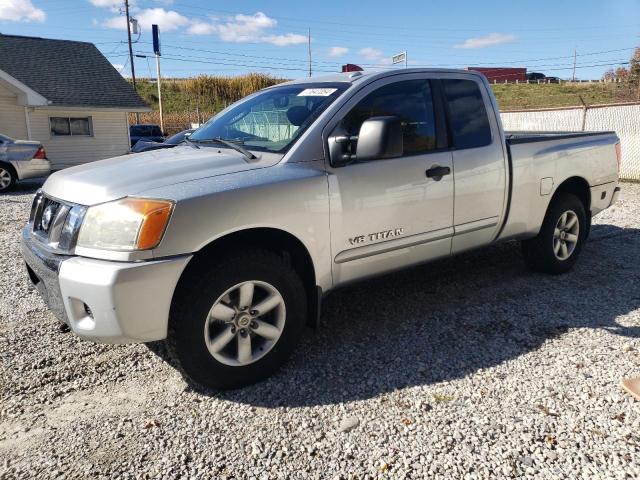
<point>380,137</point>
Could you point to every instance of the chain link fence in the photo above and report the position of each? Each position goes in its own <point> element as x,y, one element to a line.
<point>624,119</point>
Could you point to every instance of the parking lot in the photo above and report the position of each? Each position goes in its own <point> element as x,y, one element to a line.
<point>471,367</point>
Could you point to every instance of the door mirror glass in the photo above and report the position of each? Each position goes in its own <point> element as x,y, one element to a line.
<point>380,137</point>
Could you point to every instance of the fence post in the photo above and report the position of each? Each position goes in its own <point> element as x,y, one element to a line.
<point>584,112</point>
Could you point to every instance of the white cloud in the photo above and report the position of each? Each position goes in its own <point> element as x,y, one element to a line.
<point>113,5</point>
<point>286,39</point>
<point>20,11</point>
<point>202,28</point>
<point>337,51</point>
<point>105,3</point>
<point>167,20</point>
<point>371,53</point>
<point>245,29</point>
<point>118,23</point>
<point>489,40</point>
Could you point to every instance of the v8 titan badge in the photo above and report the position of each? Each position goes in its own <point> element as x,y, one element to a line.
<point>371,237</point>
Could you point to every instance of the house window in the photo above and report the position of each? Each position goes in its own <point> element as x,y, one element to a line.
<point>74,126</point>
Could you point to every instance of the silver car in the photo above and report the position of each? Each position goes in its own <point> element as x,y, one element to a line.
<point>21,159</point>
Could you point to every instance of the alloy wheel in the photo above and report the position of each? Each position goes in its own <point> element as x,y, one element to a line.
<point>5,178</point>
<point>565,235</point>
<point>245,323</point>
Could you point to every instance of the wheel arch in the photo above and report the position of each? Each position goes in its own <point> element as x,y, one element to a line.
<point>577,186</point>
<point>275,240</point>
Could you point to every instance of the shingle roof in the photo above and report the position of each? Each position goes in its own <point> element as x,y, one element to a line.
<point>66,72</point>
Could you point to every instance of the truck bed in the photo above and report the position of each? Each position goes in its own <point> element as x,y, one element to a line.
<point>540,161</point>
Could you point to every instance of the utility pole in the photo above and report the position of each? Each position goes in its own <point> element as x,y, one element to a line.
<point>573,77</point>
<point>133,68</point>
<point>309,48</point>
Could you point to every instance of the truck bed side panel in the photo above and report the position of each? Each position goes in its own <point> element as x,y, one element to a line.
<point>538,163</point>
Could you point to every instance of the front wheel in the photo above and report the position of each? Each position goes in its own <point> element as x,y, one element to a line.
<point>235,321</point>
<point>564,230</point>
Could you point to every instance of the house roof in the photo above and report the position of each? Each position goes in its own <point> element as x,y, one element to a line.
<point>67,73</point>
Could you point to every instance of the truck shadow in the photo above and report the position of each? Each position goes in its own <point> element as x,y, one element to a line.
<point>451,318</point>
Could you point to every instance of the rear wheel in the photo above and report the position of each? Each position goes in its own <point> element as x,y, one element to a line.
<point>7,177</point>
<point>235,321</point>
<point>559,242</point>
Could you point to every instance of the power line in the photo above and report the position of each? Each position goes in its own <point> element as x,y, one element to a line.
<point>351,25</point>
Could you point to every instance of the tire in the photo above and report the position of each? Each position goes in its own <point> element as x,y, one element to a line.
<point>8,177</point>
<point>556,252</point>
<point>205,343</point>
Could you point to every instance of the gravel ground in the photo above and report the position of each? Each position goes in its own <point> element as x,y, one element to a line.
<point>471,367</point>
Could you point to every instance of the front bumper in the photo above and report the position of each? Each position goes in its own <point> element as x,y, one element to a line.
<point>109,302</point>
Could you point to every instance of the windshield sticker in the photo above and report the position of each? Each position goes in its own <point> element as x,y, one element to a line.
<point>317,92</point>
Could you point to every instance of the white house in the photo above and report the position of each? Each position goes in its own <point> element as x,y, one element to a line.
<point>68,96</point>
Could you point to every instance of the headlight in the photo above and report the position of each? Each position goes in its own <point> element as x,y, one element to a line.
<point>127,224</point>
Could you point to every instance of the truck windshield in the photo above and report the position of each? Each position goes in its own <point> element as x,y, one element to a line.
<point>272,120</point>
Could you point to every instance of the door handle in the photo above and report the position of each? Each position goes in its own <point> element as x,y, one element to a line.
<point>438,172</point>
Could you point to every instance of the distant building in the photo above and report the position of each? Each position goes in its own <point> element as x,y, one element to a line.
<point>500,74</point>
<point>350,67</point>
<point>68,96</point>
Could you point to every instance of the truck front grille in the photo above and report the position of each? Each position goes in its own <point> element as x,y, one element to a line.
<point>56,223</point>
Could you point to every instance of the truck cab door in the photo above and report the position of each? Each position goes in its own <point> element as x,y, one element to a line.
<point>479,161</point>
<point>386,214</point>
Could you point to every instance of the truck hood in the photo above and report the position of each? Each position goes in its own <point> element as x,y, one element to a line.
<point>130,175</point>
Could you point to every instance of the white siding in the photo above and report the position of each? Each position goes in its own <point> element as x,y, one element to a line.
<point>12,120</point>
<point>110,136</point>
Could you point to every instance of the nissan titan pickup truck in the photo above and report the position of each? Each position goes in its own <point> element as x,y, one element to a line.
<point>224,246</point>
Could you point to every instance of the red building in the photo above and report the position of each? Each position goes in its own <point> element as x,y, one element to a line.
<point>500,74</point>
<point>350,67</point>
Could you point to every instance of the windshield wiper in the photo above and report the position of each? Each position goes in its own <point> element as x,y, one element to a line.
<point>190,143</point>
<point>235,146</point>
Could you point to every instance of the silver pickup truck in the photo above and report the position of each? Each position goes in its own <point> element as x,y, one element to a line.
<point>225,245</point>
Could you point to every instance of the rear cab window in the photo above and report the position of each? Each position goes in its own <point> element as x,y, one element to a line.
<point>468,119</point>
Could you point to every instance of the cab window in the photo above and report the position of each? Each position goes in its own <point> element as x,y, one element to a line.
<point>411,101</point>
<point>467,114</point>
